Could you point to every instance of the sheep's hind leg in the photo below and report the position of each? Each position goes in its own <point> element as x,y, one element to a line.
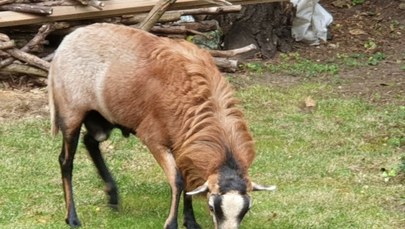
<point>66,158</point>
<point>99,130</point>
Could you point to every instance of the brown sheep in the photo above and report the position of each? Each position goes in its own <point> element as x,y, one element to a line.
<point>169,94</point>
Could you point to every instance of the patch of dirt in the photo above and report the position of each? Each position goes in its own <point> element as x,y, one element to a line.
<point>359,33</point>
<point>18,104</point>
<point>368,28</point>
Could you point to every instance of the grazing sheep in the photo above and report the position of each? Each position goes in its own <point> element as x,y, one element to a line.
<point>169,94</point>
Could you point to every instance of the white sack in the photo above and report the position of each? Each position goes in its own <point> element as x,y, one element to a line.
<point>311,21</point>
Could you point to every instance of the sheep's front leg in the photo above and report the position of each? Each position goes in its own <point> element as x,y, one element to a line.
<point>166,160</point>
<point>189,219</point>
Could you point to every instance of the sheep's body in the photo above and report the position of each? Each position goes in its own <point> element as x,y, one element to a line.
<point>169,93</point>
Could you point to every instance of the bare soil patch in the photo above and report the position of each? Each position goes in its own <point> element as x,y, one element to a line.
<point>366,29</point>
<point>17,104</point>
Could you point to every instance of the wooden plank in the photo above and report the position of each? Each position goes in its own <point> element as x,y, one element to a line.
<point>111,8</point>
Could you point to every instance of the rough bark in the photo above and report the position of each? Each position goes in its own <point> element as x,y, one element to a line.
<point>268,26</point>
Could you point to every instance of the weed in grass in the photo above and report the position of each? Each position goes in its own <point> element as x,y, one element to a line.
<point>358,2</point>
<point>294,64</point>
<point>376,58</point>
<point>254,67</point>
<point>370,45</point>
<point>352,60</point>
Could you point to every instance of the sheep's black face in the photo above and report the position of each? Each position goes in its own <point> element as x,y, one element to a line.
<point>228,209</point>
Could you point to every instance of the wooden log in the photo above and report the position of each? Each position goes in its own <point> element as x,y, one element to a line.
<point>33,1</point>
<point>175,32</point>
<point>4,37</point>
<point>3,2</point>
<point>158,10</point>
<point>59,3</point>
<point>169,30</point>
<point>212,10</point>
<point>94,3</point>
<point>202,26</point>
<point>27,8</point>
<point>111,8</point>
<point>186,28</point>
<point>7,45</point>
<point>43,32</point>
<point>28,58</point>
<point>24,69</point>
<point>49,57</point>
<point>226,65</point>
<point>138,18</point>
<point>220,2</point>
<point>233,52</point>
<point>3,54</point>
<point>175,15</point>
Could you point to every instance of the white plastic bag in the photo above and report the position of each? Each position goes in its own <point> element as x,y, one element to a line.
<point>311,21</point>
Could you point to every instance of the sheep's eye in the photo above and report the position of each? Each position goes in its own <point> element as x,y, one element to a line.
<point>211,208</point>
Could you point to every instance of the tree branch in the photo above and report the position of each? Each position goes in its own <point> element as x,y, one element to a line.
<point>232,52</point>
<point>158,10</point>
<point>27,8</point>
<point>28,58</point>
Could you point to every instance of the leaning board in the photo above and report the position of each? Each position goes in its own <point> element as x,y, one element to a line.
<point>111,8</point>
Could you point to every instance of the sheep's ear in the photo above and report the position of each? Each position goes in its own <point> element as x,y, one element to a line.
<point>258,187</point>
<point>198,190</point>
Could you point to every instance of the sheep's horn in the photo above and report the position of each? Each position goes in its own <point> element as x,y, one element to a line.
<point>258,187</point>
<point>198,190</point>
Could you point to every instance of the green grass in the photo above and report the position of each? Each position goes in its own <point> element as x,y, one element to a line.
<point>295,65</point>
<point>326,163</point>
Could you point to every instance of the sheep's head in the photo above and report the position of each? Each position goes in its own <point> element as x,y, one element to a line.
<point>228,200</point>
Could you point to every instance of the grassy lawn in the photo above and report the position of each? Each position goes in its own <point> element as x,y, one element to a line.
<point>327,162</point>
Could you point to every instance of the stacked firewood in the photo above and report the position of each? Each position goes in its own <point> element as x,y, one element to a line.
<point>19,59</point>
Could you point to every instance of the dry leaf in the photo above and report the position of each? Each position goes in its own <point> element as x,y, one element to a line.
<point>357,32</point>
<point>309,102</point>
<point>341,3</point>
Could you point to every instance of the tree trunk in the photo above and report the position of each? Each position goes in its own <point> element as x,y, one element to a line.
<point>268,26</point>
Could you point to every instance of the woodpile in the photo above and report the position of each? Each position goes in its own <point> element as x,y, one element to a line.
<point>42,18</point>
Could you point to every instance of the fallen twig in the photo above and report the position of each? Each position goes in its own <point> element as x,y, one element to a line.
<point>27,8</point>
<point>233,52</point>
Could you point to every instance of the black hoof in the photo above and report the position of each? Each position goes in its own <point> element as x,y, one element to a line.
<point>113,202</point>
<point>114,207</point>
<point>172,225</point>
<point>192,225</point>
<point>73,222</point>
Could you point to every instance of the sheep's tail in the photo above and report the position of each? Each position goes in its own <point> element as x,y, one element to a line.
<point>52,110</point>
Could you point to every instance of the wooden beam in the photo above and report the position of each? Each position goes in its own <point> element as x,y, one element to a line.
<point>111,8</point>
